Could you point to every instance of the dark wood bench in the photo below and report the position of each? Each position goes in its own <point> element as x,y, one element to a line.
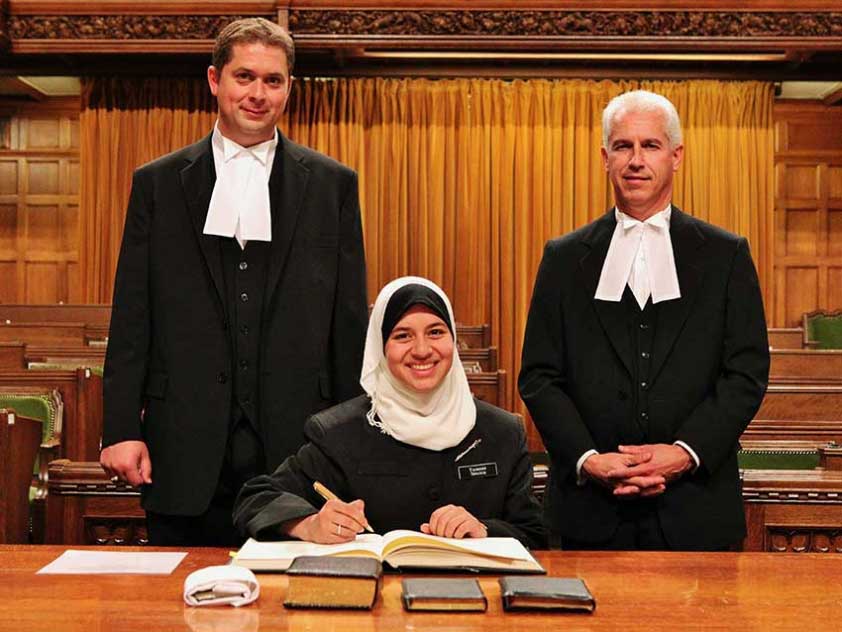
<point>20,438</point>
<point>802,402</point>
<point>43,333</point>
<point>490,387</point>
<point>788,338</point>
<point>788,364</point>
<point>12,355</point>
<point>484,358</point>
<point>473,336</point>
<point>87,314</point>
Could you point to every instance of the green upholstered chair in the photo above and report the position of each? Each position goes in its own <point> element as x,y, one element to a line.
<point>43,405</point>
<point>782,459</point>
<point>824,329</point>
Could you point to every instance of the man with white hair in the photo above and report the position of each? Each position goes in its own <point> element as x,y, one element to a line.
<point>645,356</point>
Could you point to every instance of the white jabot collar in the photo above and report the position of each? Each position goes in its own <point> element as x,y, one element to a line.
<point>640,255</point>
<point>239,205</point>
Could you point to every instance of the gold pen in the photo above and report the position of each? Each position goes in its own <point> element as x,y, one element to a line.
<point>325,493</point>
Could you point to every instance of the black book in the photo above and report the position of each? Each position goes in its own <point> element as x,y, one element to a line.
<point>424,593</point>
<point>546,593</point>
<point>333,582</point>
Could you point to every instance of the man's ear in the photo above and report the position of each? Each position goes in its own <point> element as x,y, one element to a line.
<point>289,92</point>
<point>677,157</point>
<point>213,79</point>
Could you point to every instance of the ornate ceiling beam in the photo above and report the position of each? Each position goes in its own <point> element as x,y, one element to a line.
<point>518,31</point>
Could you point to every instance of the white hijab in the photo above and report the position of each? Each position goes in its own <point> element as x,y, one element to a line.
<point>436,420</point>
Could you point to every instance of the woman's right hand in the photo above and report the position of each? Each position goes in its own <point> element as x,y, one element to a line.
<point>336,522</point>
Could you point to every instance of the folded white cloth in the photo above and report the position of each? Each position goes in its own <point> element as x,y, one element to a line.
<point>220,585</point>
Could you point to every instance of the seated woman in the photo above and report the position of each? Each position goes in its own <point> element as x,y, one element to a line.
<point>416,452</point>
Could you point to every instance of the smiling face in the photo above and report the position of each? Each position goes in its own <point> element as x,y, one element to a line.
<point>640,163</point>
<point>419,351</point>
<point>252,91</point>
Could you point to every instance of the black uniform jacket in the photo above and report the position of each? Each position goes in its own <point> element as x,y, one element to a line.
<point>400,484</point>
<point>169,350</point>
<point>708,373</point>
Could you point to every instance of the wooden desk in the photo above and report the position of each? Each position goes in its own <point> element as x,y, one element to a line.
<point>650,591</point>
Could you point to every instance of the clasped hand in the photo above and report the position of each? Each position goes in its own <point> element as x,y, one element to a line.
<point>639,470</point>
<point>338,522</point>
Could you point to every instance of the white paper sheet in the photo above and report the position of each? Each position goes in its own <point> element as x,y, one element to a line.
<point>76,562</point>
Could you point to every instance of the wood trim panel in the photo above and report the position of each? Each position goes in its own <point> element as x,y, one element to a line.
<point>147,7</point>
<point>50,27</point>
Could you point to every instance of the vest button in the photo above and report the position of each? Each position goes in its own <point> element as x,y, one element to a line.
<point>244,265</point>
<point>244,297</point>
<point>221,377</point>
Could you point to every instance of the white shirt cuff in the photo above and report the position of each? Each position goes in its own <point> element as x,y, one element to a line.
<point>581,480</point>
<point>692,453</point>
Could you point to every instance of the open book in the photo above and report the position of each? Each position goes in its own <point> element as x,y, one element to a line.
<point>399,549</point>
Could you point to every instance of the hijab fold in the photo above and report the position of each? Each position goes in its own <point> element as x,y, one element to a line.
<point>435,420</point>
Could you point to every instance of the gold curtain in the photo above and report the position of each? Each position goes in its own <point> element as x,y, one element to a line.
<point>463,180</point>
<point>124,124</point>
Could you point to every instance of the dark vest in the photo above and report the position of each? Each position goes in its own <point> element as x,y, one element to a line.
<point>642,324</point>
<point>244,272</point>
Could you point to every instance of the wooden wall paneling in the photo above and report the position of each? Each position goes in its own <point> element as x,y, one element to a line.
<point>802,291</point>
<point>808,209</point>
<point>39,203</point>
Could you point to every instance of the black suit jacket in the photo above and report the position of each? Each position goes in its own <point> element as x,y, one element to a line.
<point>169,350</point>
<point>709,369</point>
<point>400,484</point>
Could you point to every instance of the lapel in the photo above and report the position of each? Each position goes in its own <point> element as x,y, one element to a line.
<point>687,241</point>
<point>611,315</point>
<point>287,185</point>
<point>197,180</point>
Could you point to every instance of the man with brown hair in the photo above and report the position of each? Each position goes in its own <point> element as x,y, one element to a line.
<point>239,302</point>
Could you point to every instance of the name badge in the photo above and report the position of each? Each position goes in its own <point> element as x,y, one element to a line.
<point>478,470</point>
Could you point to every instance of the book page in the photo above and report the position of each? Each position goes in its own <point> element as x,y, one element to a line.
<point>368,544</point>
<point>507,548</point>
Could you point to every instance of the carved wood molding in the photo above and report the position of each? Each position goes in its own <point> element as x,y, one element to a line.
<point>803,540</point>
<point>346,27</point>
<point>600,24</point>
<point>794,497</point>
<point>123,531</point>
<point>119,27</point>
<point>84,478</point>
